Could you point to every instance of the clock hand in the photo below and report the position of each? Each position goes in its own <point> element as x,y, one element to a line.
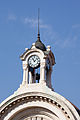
<point>33,59</point>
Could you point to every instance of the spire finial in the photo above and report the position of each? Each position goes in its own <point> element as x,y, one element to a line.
<point>38,24</point>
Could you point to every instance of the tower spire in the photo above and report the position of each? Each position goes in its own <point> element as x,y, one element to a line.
<point>38,24</point>
<point>38,43</point>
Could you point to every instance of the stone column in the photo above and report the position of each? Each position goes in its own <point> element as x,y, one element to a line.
<point>42,72</point>
<point>48,77</point>
<point>25,74</point>
<point>30,77</point>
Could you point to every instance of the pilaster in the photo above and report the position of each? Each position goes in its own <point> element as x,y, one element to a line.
<point>25,74</point>
<point>42,72</point>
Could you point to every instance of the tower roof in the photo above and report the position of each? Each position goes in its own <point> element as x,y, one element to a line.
<point>40,45</point>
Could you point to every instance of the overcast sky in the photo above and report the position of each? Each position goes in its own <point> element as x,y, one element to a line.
<point>59,28</point>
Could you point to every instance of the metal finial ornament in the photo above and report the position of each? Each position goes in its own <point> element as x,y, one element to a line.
<point>38,24</point>
<point>38,43</point>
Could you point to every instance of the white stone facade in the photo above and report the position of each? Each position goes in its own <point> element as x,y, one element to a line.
<point>37,101</point>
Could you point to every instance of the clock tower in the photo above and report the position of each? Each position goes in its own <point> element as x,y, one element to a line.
<point>35,99</point>
<point>37,64</point>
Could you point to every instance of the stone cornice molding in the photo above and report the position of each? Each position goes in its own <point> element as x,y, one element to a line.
<point>57,100</point>
<point>32,98</point>
<point>23,57</point>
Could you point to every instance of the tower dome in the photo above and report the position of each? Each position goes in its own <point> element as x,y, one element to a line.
<point>39,44</point>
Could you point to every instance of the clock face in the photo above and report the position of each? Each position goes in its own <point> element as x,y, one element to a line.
<point>34,61</point>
